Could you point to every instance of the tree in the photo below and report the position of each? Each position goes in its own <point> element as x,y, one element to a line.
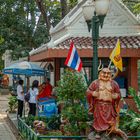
<point>64,8</point>
<point>24,27</point>
<point>42,9</point>
<point>25,24</point>
<point>1,61</point>
<point>1,39</point>
<point>133,5</point>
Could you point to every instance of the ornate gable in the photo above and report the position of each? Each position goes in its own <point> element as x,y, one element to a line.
<point>118,22</point>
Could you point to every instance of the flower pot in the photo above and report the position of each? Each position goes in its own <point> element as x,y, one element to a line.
<point>130,96</point>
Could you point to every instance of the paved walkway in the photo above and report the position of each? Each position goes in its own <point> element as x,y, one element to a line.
<point>5,131</point>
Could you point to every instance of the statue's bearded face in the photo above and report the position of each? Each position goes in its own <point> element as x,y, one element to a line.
<point>105,74</point>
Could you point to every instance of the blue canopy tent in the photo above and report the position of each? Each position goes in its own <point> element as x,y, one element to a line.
<point>24,68</point>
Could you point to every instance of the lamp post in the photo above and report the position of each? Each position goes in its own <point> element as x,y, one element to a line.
<point>94,12</point>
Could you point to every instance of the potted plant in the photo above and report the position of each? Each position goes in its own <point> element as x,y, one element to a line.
<point>71,95</point>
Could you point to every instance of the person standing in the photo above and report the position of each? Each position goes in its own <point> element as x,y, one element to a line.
<point>33,97</point>
<point>20,97</point>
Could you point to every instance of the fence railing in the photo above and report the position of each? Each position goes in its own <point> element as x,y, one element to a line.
<point>29,134</point>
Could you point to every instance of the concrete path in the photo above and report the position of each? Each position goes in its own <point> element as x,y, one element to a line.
<point>5,131</point>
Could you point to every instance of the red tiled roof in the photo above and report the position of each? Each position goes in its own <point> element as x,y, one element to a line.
<point>104,42</point>
<point>130,45</point>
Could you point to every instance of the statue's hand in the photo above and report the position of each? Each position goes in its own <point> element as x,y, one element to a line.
<point>95,94</point>
<point>115,96</point>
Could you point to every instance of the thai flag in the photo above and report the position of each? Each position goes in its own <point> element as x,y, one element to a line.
<point>73,60</point>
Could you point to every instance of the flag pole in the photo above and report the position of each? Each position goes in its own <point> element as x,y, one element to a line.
<point>85,75</point>
<point>109,64</point>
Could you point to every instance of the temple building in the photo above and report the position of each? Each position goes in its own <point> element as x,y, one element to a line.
<point>119,23</point>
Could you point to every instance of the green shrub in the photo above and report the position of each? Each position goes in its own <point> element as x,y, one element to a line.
<point>13,103</point>
<point>130,121</point>
<point>71,95</point>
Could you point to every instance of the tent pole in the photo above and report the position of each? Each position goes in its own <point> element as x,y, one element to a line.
<point>25,91</point>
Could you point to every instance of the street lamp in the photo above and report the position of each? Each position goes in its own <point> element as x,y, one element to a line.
<point>94,12</point>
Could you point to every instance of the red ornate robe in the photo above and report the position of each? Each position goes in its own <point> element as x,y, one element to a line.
<point>104,112</point>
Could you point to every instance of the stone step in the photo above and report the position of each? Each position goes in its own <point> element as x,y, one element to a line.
<point>4,91</point>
